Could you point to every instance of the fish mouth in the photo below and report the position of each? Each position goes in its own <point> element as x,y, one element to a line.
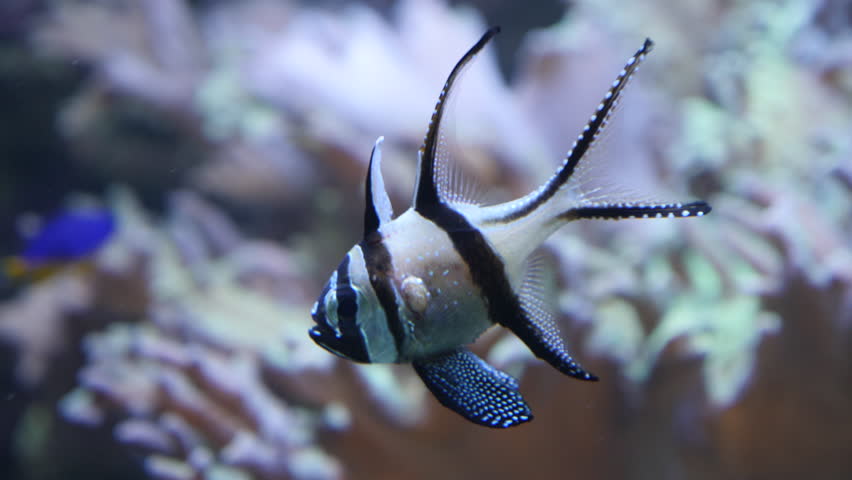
<point>319,333</point>
<point>316,333</point>
<point>326,339</point>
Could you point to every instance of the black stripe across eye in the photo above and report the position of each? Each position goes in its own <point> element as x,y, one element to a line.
<point>347,304</point>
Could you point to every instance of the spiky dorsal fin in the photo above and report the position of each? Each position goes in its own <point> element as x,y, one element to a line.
<point>378,209</point>
<point>428,189</point>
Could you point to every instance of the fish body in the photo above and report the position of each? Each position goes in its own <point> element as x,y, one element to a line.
<point>421,286</point>
<point>64,239</point>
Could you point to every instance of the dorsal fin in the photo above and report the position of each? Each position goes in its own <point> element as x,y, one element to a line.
<point>378,209</point>
<point>426,191</point>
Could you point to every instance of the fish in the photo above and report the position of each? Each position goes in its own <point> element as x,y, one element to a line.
<point>420,287</point>
<point>66,238</point>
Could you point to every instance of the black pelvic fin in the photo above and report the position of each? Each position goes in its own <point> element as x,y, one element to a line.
<point>464,383</point>
<point>378,209</point>
<point>426,190</point>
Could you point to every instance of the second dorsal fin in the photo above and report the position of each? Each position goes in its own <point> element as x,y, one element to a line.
<point>432,176</point>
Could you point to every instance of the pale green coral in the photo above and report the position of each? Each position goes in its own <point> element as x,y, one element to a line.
<point>617,331</point>
<point>228,110</point>
<point>730,345</point>
<point>725,329</point>
<point>706,136</point>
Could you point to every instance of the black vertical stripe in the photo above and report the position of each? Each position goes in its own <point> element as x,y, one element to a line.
<point>343,273</point>
<point>488,273</point>
<point>353,344</point>
<point>379,268</point>
<point>347,301</point>
<point>486,268</point>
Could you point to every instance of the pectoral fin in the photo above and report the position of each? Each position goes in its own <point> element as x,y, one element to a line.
<point>464,383</point>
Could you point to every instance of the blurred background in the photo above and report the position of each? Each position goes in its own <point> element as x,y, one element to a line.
<point>178,178</point>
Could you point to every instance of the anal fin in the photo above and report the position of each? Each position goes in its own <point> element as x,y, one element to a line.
<point>464,383</point>
<point>538,329</point>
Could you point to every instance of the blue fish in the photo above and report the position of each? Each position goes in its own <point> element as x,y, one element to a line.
<point>69,237</point>
<point>419,287</point>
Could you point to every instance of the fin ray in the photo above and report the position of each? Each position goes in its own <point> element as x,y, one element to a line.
<point>435,180</point>
<point>464,383</point>
<point>593,134</point>
<point>540,332</point>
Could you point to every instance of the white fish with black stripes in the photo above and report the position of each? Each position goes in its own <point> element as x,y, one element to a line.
<point>420,287</point>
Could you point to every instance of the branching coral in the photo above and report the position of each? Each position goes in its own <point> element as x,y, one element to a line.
<point>190,378</point>
<point>220,378</point>
<point>762,296</point>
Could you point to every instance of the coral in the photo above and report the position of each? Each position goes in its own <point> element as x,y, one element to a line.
<point>45,308</point>
<point>190,378</point>
<point>220,378</point>
<point>762,296</point>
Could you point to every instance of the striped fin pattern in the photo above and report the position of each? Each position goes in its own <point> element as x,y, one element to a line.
<point>618,211</point>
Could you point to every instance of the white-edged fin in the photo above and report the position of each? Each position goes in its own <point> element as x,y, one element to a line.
<point>438,178</point>
<point>596,188</point>
<point>378,209</point>
<point>542,334</point>
<point>467,385</point>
